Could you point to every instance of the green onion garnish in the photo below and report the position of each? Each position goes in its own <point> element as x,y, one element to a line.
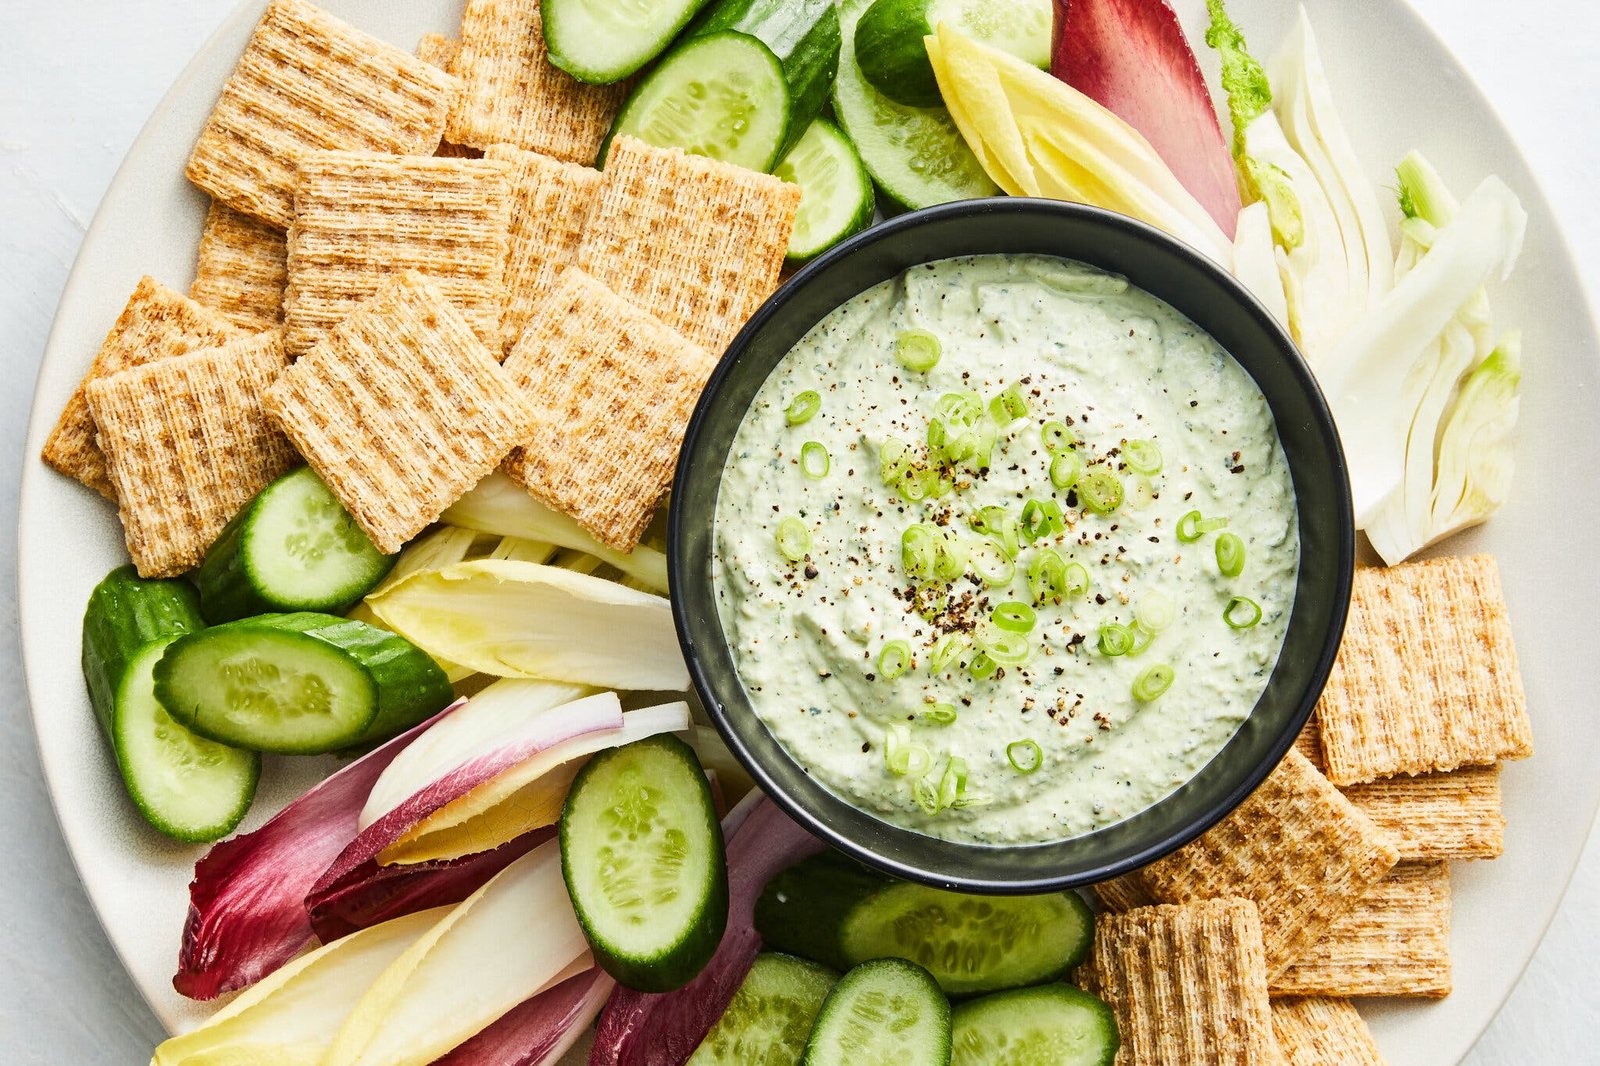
<point>1191,527</point>
<point>991,563</point>
<point>1041,518</point>
<point>1077,580</point>
<point>894,458</point>
<point>997,522</point>
<point>982,667</point>
<point>1116,639</point>
<point>961,447</point>
<point>953,782</point>
<point>1047,577</point>
<point>926,794</point>
<point>1152,682</point>
<point>802,408</point>
<point>952,557</point>
<point>947,652</point>
<point>1014,617</point>
<point>814,460</point>
<point>917,349</point>
<point>1241,613</point>
<point>1055,436</point>
<point>894,659</point>
<point>919,550</point>
<point>1100,491</point>
<point>794,539</point>
<point>1024,756</point>
<point>902,757</point>
<point>1155,611</point>
<point>1142,456</point>
<point>1006,647</point>
<point>1008,406</point>
<point>938,714</point>
<point>1230,554</point>
<point>1065,468</point>
<point>961,408</point>
<point>936,435</point>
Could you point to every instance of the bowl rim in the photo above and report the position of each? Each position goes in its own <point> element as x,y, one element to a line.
<point>1344,553</point>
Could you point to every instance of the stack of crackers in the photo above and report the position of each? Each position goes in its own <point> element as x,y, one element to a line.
<point>411,275</point>
<point>1332,881</point>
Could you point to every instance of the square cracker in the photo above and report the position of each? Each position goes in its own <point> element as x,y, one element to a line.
<point>360,216</point>
<point>1123,894</point>
<point>1320,1031</point>
<point>1296,848</point>
<point>1188,984</point>
<point>308,81</point>
<point>1454,815</point>
<point>400,409</point>
<point>441,51</point>
<point>241,268</point>
<point>697,243</point>
<point>1308,742</point>
<point>157,323</point>
<point>550,206</point>
<point>1396,942</point>
<point>613,389</point>
<point>187,445</point>
<point>1427,676</point>
<point>512,94</point>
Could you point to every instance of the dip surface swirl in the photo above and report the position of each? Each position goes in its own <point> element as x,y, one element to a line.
<point>976,728</point>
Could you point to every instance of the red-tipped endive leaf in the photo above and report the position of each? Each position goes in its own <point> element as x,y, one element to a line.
<point>1131,57</point>
<point>247,911</point>
<point>663,1029</point>
<point>543,732</point>
<point>542,1029</point>
<point>372,893</point>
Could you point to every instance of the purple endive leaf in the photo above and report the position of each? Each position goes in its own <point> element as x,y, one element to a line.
<point>663,1029</point>
<point>1131,57</point>
<point>247,911</point>
<point>542,1029</point>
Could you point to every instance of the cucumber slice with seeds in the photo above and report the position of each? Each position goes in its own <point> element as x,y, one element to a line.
<point>603,41</point>
<point>888,1012</point>
<point>836,198</point>
<point>293,548</point>
<point>894,60</point>
<point>298,684</point>
<point>642,854</point>
<point>1051,1025</point>
<point>770,1017</point>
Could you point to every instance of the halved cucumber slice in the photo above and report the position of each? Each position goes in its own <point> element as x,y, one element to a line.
<point>298,684</point>
<point>642,853</point>
<point>188,787</point>
<point>721,95</point>
<point>1052,1025</point>
<point>293,548</point>
<point>771,1015</point>
<point>915,154</point>
<point>971,944</point>
<point>888,1012</point>
<point>889,39</point>
<point>836,198</point>
<point>602,41</point>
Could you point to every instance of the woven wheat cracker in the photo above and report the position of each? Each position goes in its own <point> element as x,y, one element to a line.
<point>1455,815</point>
<point>240,269</point>
<point>187,445</point>
<point>1308,742</point>
<point>550,205</point>
<point>441,51</point>
<point>1427,676</point>
<point>308,81</point>
<point>612,389</point>
<point>156,323</point>
<point>401,409</point>
<point>1395,942</point>
<point>1320,1031</point>
<point>1123,893</point>
<point>697,243</point>
<point>1295,847</point>
<point>512,94</point>
<point>1188,984</point>
<point>359,217</point>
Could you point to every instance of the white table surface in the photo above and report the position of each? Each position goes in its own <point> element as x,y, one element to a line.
<point>77,80</point>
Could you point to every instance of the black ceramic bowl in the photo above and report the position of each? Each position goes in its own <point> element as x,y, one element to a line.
<point>1218,304</point>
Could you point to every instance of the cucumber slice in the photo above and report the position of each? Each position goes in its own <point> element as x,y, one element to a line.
<point>298,684</point>
<point>293,548</point>
<point>1052,1025</point>
<point>836,198</point>
<point>972,944</point>
<point>125,613</point>
<point>721,96</point>
<point>801,909</point>
<point>602,41</point>
<point>642,854</point>
<point>190,788</point>
<point>771,1015</point>
<point>888,1012</point>
<point>915,154</point>
<point>889,40</point>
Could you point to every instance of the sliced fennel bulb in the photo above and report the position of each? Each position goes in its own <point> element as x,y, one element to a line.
<point>1475,449</point>
<point>518,619</point>
<point>1255,260</point>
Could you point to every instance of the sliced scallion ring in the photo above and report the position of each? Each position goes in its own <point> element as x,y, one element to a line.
<point>960,408</point>
<point>1014,616</point>
<point>1055,436</point>
<point>1005,647</point>
<point>903,758</point>
<point>1116,639</point>
<point>1047,577</point>
<point>814,460</point>
<point>917,350</point>
<point>1066,467</point>
<point>894,659</point>
<point>802,408</point>
<point>990,562</point>
<point>1025,756</point>
<point>793,539</point>
<point>995,521</point>
<point>926,793</point>
<point>1155,611</point>
<point>894,457</point>
<point>919,550</point>
<point>1241,613</point>
<point>1041,518</point>
<point>1100,491</point>
<point>1008,406</point>
<point>938,714</point>
<point>1077,580</point>
<point>947,652</point>
<point>1230,554</point>
<point>1142,456</point>
<point>1191,527</point>
<point>953,782</point>
<point>982,667</point>
<point>1152,682</point>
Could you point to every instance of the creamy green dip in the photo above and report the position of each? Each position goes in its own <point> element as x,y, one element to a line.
<point>1050,741</point>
